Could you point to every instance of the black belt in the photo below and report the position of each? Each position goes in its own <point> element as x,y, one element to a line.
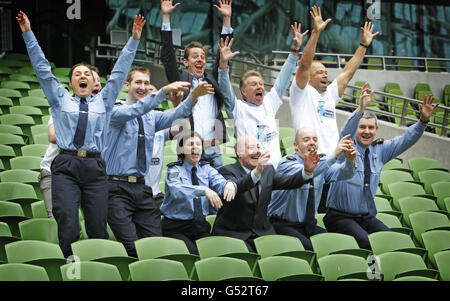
<point>129,179</point>
<point>348,213</point>
<point>81,153</point>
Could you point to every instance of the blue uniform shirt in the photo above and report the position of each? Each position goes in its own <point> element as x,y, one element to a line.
<point>290,205</point>
<point>180,193</point>
<point>65,107</point>
<point>347,195</point>
<point>120,153</point>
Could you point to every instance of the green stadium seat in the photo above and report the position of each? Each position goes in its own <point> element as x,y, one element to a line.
<point>389,85</point>
<point>431,176</point>
<point>436,241</point>
<point>39,129</point>
<point>90,271</point>
<point>228,160</point>
<point>393,176</point>
<point>5,238</point>
<point>340,266</point>
<point>35,101</point>
<point>14,64</point>
<point>223,268</point>
<point>390,241</point>
<point>26,162</point>
<point>42,229</point>
<point>422,87</point>
<point>28,70</point>
<point>396,164</point>
<point>44,254</point>
<point>216,246</point>
<point>61,71</point>
<point>19,193</point>
<point>286,268</point>
<point>403,189</point>
<point>34,112</point>
<point>14,95</point>
<point>414,278</point>
<point>37,150</point>
<point>5,104</point>
<point>25,122</point>
<point>447,95</point>
<point>22,176</point>
<point>31,80</point>
<point>443,264</point>
<point>383,205</point>
<point>447,204</point>
<point>211,219</point>
<point>16,142</point>
<point>41,138</point>
<point>12,214</point>
<point>393,223</point>
<point>36,92</point>
<point>441,190</point>
<point>166,248</point>
<point>405,65</point>
<point>374,63</point>
<point>38,209</point>
<point>6,153</point>
<point>22,87</point>
<point>18,57</point>
<point>12,129</point>
<point>319,218</point>
<point>45,119</point>
<point>434,66</point>
<point>5,72</point>
<point>106,251</point>
<point>283,245</point>
<point>411,204</point>
<point>22,272</point>
<point>417,164</point>
<point>400,264</point>
<point>158,270</point>
<point>287,141</point>
<point>427,221</point>
<point>337,243</point>
<point>286,132</point>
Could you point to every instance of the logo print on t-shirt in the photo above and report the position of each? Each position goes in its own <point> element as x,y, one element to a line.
<point>323,112</point>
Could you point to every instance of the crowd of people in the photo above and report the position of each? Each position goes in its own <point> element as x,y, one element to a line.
<point>106,156</point>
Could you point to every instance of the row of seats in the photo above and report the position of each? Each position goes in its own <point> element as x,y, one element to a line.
<point>278,257</point>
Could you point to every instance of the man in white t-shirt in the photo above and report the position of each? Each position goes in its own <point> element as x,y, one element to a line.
<point>255,115</point>
<point>312,101</point>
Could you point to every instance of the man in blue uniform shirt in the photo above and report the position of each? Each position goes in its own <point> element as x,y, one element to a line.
<point>132,211</point>
<point>81,122</point>
<point>350,204</point>
<point>292,212</point>
<point>191,186</point>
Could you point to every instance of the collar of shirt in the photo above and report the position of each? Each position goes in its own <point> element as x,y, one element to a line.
<point>188,167</point>
<point>78,98</point>
<point>196,81</point>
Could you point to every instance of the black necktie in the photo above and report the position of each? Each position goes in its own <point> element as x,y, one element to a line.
<point>256,190</point>
<point>198,212</point>
<point>141,158</point>
<point>310,219</point>
<point>367,193</point>
<point>80,133</point>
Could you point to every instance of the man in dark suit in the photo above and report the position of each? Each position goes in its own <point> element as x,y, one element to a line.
<point>246,216</point>
<point>207,119</point>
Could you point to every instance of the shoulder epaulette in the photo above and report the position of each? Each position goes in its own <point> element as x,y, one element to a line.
<point>172,164</point>
<point>378,141</point>
<point>203,162</point>
<point>118,102</point>
<point>291,158</point>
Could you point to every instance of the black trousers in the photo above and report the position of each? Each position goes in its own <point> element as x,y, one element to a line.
<point>187,230</point>
<point>132,213</point>
<point>79,182</point>
<point>357,226</point>
<point>297,230</point>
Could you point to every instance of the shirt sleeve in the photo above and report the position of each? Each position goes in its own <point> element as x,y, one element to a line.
<point>227,90</point>
<point>216,181</point>
<point>181,190</point>
<point>340,171</point>
<point>283,79</point>
<point>164,120</point>
<point>351,125</point>
<point>333,89</point>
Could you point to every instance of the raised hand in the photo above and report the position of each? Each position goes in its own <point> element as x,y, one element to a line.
<point>263,160</point>
<point>342,146</point>
<point>310,163</point>
<point>225,52</point>
<point>176,97</point>
<point>298,36</point>
<point>24,22</point>
<point>366,33</point>
<point>427,108</point>
<point>138,25</point>
<point>175,87</point>
<point>319,23</point>
<point>365,98</point>
<point>224,8</point>
<point>350,153</point>
<point>167,7</point>
<point>213,198</point>
<point>202,88</point>
<point>229,192</point>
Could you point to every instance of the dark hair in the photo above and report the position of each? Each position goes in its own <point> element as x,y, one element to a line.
<point>183,138</point>
<point>77,65</point>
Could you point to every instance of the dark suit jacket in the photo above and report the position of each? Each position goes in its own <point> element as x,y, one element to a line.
<point>174,74</point>
<point>244,215</point>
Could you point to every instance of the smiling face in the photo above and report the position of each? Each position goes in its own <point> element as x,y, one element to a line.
<point>318,77</point>
<point>81,81</point>
<point>367,130</point>
<point>248,151</point>
<point>253,90</point>
<point>192,150</point>
<point>138,85</point>
<point>305,142</point>
<point>195,60</point>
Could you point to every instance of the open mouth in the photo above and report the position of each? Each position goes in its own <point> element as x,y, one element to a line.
<point>95,92</point>
<point>83,85</point>
<point>199,68</point>
<point>141,93</point>
<point>324,82</point>
<point>255,156</point>
<point>260,94</point>
<point>311,148</point>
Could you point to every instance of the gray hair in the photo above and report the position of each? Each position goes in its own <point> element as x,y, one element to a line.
<point>369,115</point>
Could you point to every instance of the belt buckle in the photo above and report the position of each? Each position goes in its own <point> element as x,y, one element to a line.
<point>81,153</point>
<point>132,179</point>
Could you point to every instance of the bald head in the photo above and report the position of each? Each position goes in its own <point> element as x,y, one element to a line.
<point>248,151</point>
<point>305,141</point>
<point>318,77</point>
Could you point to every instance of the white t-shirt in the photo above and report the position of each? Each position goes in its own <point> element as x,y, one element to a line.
<point>309,108</point>
<point>51,152</point>
<point>153,175</point>
<point>260,121</point>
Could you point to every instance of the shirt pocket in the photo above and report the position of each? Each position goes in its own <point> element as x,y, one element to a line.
<point>97,116</point>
